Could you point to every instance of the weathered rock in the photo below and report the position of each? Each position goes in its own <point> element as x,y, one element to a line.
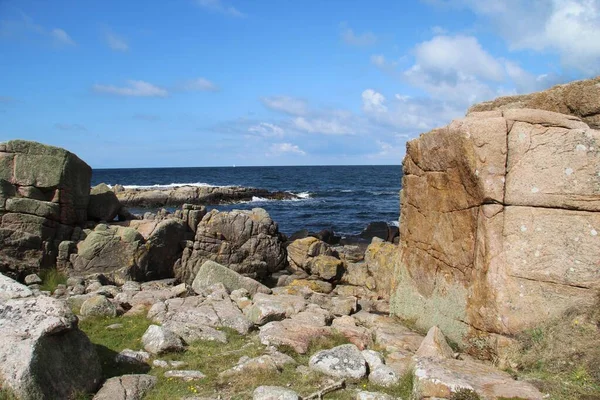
<point>32,279</point>
<point>378,229</point>
<point>268,308</point>
<point>298,331</point>
<point>38,332</point>
<point>439,378</point>
<point>274,393</point>
<point>164,248</point>
<point>44,191</point>
<point>211,272</point>
<point>158,339</point>
<point>191,316</point>
<point>578,98</point>
<point>380,259</point>
<point>114,251</point>
<point>126,387</point>
<point>247,242</point>
<point>314,285</point>
<point>185,375</point>
<point>326,267</point>
<point>103,204</point>
<point>98,306</point>
<point>481,205</point>
<point>384,376</point>
<point>129,356</point>
<point>302,251</point>
<point>360,336</point>
<point>373,358</point>
<point>345,361</point>
<point>434,345</point>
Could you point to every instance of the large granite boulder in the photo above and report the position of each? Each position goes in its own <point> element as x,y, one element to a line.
<point>499,225</point>
<point>248,242</point>
<point>44,191</point>
<point>578,98</point>
<point>211,273</point>
<point>42,349</point>
<point>113,251</point>
<point>103,205</point>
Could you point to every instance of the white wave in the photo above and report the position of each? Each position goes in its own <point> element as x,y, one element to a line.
<point>347,191</point>
<point>256,198</point>
<point>394,223</point>
<point>169,186</point>
<point>303,195</point>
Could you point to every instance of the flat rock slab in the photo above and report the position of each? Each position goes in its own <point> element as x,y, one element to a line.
<point>126,387</point>
<point>439,378</point>
<point>373,396</point>
<point>185,375</point>
<point>345,361</point>
<point>274,393</point>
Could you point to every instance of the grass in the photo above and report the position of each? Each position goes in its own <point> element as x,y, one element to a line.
<point>562,357</point>
<point>212,358</point>
<point>51,278</point>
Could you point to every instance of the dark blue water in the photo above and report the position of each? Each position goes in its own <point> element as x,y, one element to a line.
<point>342,198</point>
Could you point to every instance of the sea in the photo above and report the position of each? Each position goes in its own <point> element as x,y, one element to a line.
<point>344,199</point>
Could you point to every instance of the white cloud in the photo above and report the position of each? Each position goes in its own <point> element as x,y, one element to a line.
<point>116,42</point>
<point>201,85</point>
<point>70,127</point>
<point>220,7</point>
<point>569,28</point>
<point>278,149</point>
<point>353,39</point>
<point>457,69</point>
<point>410,115</point>
<point>373,101</point>
<point>286,104</point>
<point>133,88</point>
<point>266,129</point>
<point>61,37</point>
<point>334,124</point>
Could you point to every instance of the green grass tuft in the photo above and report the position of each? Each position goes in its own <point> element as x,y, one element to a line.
<point>51,278</point>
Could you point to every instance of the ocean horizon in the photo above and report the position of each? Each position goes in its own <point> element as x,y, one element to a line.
<point>341,198</point>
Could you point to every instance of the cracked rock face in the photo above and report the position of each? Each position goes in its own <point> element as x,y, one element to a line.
<point>499,225</point>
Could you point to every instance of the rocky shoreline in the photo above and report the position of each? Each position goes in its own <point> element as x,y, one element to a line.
<point>497,237</point>
<point>197,195</point>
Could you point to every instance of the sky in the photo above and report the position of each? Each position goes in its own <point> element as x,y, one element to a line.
<point>142,83</point>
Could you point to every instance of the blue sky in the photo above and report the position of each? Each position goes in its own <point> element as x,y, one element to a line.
<point>272,82</point>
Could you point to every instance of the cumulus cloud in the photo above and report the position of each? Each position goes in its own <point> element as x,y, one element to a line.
<point>378,60</point>
<point>134,88</point>
<point>568,28</point>
<point>220,7</point>
<point>456,69</point>
<point>286,104</point>
<point>278,149</point>
<point>354,39</point>
<point>70,127</point>
<point>200,85</point>
<point>266,129</point>
<point>407,114</point>
<point>116,43</point>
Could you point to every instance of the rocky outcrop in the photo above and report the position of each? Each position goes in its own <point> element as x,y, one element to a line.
<point>579,99</point>
<point>499,225</point>
<point>248,242</point>
<point>211,273</point>
<point>200,195</point>
<point>103,204</point>
<point>42,349</point>
<point>44,192</point>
